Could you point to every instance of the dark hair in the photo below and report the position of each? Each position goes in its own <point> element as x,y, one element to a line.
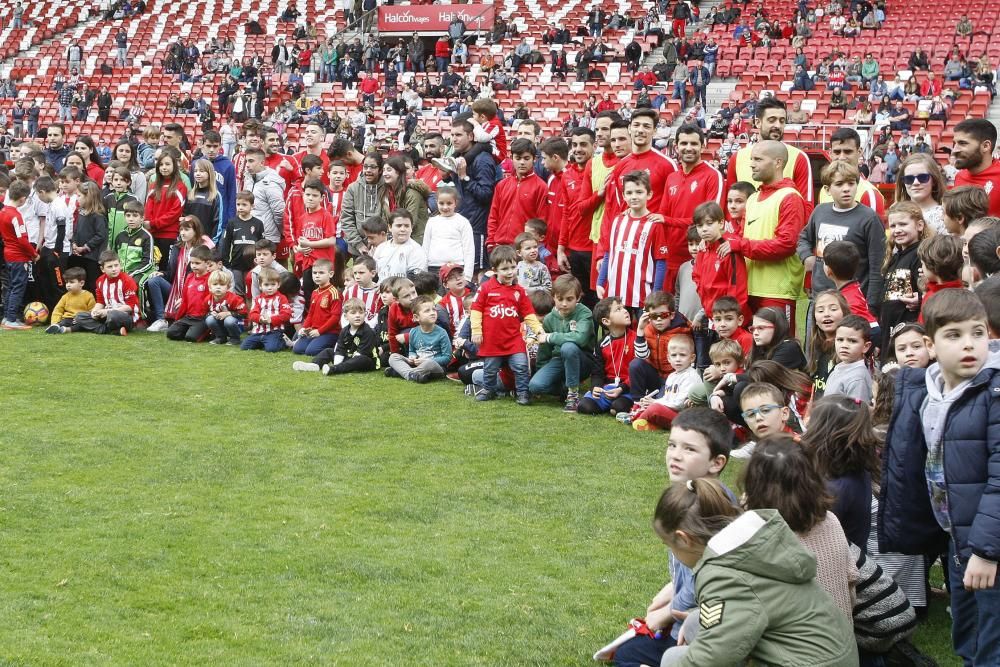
<point>133,207</point>
<point>311,162</point>
<point>534,124</point>
<point>464,125</point>
<point>700,507</point>
<point>950,306</point>
<point>755,389</point>
<point>692,235</point>
<point>340,148</point>
<point>726,304</point>
<point>608,113</point>
<point>660,298</point>
<point>201,252</point>
<point>857,323</point>
<point>401,213</point>
<point>745,187</point>
<point>942,255</point>
<point>374,225</point>
<point>787,380</point>
<point>708,212</point>
<point>602,309</point>
<point>555,146</point>
<point>841,438</point>
<point>265,244</point>
<point>502,254</point>
<point>988,292</point>
<point>18,190</point>
<point>108,256</point>
<point>777,318</point>
<point>211,137</point>
<point>771,102</point>
<point>426,282</point>
<point>983,247</point>
<point>583,131</point>
<point>313,184</point>
<point>979,129</point>
<point>842,258</point>
<point>885,389</point>
<point>75,273</point>
<point>542,302</point>
<point>521,145</point>
<point>714,426</point>
<point>846,134</point>
<point>245,195</point>
<point>781,475</point>
<point>290,285</point>
<point>536,226</point>
<point>652,114</point>
<point>691,128</point>
<point>638,177</point>
<point>966,202</point>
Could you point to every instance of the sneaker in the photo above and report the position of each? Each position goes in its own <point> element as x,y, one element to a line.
<point>643,425</point>
<point>233,343</point>
<point>390,372</point>
<point>217,341</point>
<point>15,326</point>
<point>419,377</point>
<point>744,452</point>
<point>304,366</point>
<point>158,326</point>
<point>485,395</point>
<point>454,377</point>
<point>289,343</point>
<point>524,399</point>
<point>572,401</point>
<point>327,369</point>
<point>124,331</point>
<point>624,418</point>
<point>54,329</point>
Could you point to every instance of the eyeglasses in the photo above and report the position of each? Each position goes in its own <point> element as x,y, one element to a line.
<point>762,411</point>
<point>661,316</point>
<point>919,178</point>
<point>761,327</point>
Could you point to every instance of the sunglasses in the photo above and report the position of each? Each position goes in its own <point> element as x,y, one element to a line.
<point>763,411</point>
<point>660,316</point>
<point>918,178</point>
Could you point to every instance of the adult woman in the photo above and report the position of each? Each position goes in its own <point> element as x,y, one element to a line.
<point>402,193</point>
<point>922,181</point>
<point>125,154</point>
<point>801,59</point>
<point>911,90</point>
<point>87,149</point>
<point>363,199</point>
<point>236,69</point>
<point>865,115</point>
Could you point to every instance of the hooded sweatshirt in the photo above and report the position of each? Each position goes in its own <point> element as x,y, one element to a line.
<point>269,201</point>
<point>758,599</point>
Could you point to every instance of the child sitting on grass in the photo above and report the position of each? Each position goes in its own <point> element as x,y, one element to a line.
<point>268,316</point>
<point>563,348</point>
<point>658,323</point>
<point>356,350</point>
<point>727,357</point>
<point>653,414</point>
<point>76,300</point>
<point>117,307</point>
<point>764,410</point>
<point>190,324</point>
<point>226,309</point>
<point>400,256</point>
<point>429,345</point>
<point>364,288</point>
<point>609,381</point>
<point>322,323</point>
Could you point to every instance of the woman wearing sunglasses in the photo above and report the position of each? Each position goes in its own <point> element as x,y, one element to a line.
<point>922,181</point>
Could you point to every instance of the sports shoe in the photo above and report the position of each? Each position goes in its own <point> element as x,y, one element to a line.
<point>420,377</point>
<point>15,326</point>
<point>54,329</point>
<point>643,425</point>
<point>124,331</point>
<point>624,418</point>
<point>305,366</point>
<point>158,326</point>
<point>217,341</point>
<point>454,377</point>
<point>744,452</point>
<point>572,401</point>
<point>485,395</point>
<point>390,372</point>
<point>234,343</point>
<point>524,399</point>
<point>327,369</point>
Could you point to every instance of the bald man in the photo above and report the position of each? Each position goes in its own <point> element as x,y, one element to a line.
<point>775,215</point>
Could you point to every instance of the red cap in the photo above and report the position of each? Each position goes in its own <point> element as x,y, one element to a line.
<point>447,270</point>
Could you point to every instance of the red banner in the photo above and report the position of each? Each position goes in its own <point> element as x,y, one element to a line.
<point>433,18</point>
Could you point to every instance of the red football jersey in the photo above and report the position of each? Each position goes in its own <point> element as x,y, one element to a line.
<point>988,179</point>
<point>656,164</point>
<point>503,308</point>
<point>634,246</point>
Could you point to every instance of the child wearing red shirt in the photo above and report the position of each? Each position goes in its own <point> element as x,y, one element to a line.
<point>717,273</point>
<point>400,318</point>
<point>18,253</point>
<point>609,381</point>
<point>840,264</point>
<point>225,309</point>
<point>736,206</point>
<point>117,308</point>
<point>313,233</point>
<point>496,317</point>
<point>941,262</point>
<point>488,129</point>
<point>269,315</point>
<point>321,327</point>
<point>190,324</point>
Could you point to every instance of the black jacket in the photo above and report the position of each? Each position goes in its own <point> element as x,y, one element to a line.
<point>362,343</point>
<point>237,247</point>
<point>92,231</point>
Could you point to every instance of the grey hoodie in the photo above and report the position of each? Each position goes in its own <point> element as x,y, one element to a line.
<point>269,202</point>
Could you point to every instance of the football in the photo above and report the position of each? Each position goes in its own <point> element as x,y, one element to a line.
<point>36,313</point>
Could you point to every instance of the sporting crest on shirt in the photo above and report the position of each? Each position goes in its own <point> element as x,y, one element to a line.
<point>673,190</point>
<point>988,188</point>
<point>324,302</point>
<point>572,325</point>
<point>694,185</point>
<point>710,613</point>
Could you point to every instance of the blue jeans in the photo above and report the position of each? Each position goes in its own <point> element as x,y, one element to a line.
<point>157,291</point>
<point>680,92</point>
<point>17,284</point>
<point>562,371</point>
<point>313,346</point>
<point>975,625</point>
<point>329,73</point>
<point>518,364</point>
<point>269,342</point>
<point>442,63</point>
<point>224,329</point>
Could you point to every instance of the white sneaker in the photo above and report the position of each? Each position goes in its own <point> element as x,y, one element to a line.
<point>744,452</point>
<point>157,326</point>
<point>304,366</point>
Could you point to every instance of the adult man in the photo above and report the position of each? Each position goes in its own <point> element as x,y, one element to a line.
<point>57,150</point>
<point>521,53</point>
<point>342,149</point>
<point>433,145</point>
<point>173,135</point>
<point>285,165</point>
<point>899,118</point>
<point>313,138</point>
<point>775,215</point>
<point>695,183</point>
<point>575,249</point>
<point>964,27</point>
<point>681,15</point>
<point>596,18</point>
<point>845,146</point>
<point>475,182</point>
<point>598,170</point>
<point>975,139</point>
<point>268,194</point>
<point>279,57</point>
<point>225,176</point>
<point>74,54</point>
<point>581,147</point>
<point>563,194</point>
<point>771,117</point>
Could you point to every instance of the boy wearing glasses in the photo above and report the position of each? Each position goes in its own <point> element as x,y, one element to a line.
<point>764,409</point>
<point>658,323</point>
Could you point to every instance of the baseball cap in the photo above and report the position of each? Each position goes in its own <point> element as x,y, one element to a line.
<point>447,270</point>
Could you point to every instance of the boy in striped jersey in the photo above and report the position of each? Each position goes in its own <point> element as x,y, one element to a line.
<point>117,308</point>
<point>269,315</point>
<point>635,263</point>
<point>365,289</point>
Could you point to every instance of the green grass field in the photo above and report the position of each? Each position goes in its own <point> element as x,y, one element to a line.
<point>165,503</point>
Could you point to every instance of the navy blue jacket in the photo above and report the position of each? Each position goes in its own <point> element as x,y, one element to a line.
<point>477,192</point>
<point>971,467</point>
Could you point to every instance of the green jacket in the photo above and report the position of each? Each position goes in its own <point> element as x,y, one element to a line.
<point>758,599</point>
<point>578,328</point>
<point>115,202</point>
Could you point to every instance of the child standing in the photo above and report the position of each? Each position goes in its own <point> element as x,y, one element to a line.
<point>448,236</point>
<point>736,206</point>
<point>851,377</point>
<point>165,205</point>
<point>356,350</point>
<point>635,261</point>
<point>901,296</point>
<point>315,234</point>
<point>226,309</point>
<point>908,346</point>
<point>90,233</point>
<point>563,348</point>
<point>117,307</point>
<point>941,453</point>
<point>840,267</point>
<point>609,381</point>
<point>18,253</point>
<point>686,289</point>
<point>190,323</point>
<point>321,326</point>
<point>429,344</point>
<point>830,308</point>
<point>716,273</point>
<point>240,238</point>
<point>402,255</point>
<point>532,274</point>
<point>941,262</point>
<point>500,307</point>
<point>204,202</point>
<point>654,414</point>
<point>76,300</point>
<point>269,315</point>
<point>135,247</point>
<point>365,289</point>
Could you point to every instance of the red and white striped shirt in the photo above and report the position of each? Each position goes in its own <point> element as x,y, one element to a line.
<point>654,163</point>
<point>456,309</point>
<point>634,246</point>
<point>369,297</point>
<point>334,202</point>
<point>276,306</point>
<point>118,291</point>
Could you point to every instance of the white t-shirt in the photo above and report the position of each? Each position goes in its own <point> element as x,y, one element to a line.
<point>34,212</point>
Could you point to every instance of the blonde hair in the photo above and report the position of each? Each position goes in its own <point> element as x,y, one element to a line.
<point>207,167</point>
<point>220,278</point>
<point>915,213</point>
<point>90,199</point>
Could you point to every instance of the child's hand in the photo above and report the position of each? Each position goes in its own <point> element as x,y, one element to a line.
<point>724,250</point>
<point>313,333</point>
<point>980,574</point>
<point>265,318</point>
<point>541,338</point>
<point>716,404</point>
<point>597,391</point>
<point>645,401</point>
<point>711,374</point>
<point>400,338</point>
<point>640,327</point>
<point>459,342</point>
<point>477,339</point>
